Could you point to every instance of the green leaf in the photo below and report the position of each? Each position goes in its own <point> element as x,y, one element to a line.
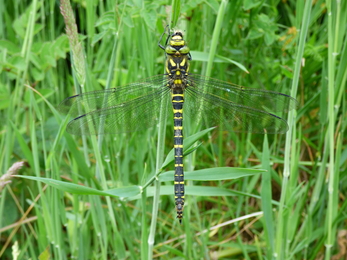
<point>65,186</point>
<point>197,190</point>
<point>45,255</point>
<point>28,154</point>
<point>38,75</point>
<point>218,173</point>
<point>128,21</point>
<point>61,47</point>
<point>224,59</point>
<point>46,93</point>
<point>266,195</point>
<point>83,190</point>
<point>9,46</point>
<point>4,97</point>
<point>47,55</point>
<point>214,5</point>
<point>176,8</point>
<point>20,24</point>
<point>105,19</point>
<point>204,56</point>
<point>192,149</point>
<point>97,37</point>
<point>267,27</point>
<point>150,17</point>
<point>213,191</point>
<point>255,33</point>
<point>249,4</point>
<point>187,142</point>
<point>124,192</point>
<point>36,60</point>
<point>286,72</point>
<point>17,62</point>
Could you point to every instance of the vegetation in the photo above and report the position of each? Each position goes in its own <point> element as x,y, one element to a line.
<point>97,197</point>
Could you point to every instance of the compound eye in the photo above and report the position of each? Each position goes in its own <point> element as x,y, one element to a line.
<point>184,50</point>
<point>170,50</point>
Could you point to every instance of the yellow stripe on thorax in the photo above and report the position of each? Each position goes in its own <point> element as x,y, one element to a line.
<point>172,63</point>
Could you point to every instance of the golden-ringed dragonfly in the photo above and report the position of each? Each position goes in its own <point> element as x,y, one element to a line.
<point>136,106</point>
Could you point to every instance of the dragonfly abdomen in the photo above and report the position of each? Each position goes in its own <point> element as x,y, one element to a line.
<point>177,103</point>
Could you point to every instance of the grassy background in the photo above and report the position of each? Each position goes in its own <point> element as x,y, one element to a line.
<point>295,210</point>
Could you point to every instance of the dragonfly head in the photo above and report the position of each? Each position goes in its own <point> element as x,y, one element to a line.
<point>177,46</point>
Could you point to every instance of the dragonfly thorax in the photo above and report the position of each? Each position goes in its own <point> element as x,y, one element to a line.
<point>177,58</point>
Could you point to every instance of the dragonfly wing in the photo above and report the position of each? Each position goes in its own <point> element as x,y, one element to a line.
<point>118,110</point>
<point>236,108</point>
<point>86,102</point>
<point>269,101</point>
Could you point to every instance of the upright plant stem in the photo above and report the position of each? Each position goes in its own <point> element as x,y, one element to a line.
<point>282,216</point>
<point>215,36</point>
<point>333,19</point>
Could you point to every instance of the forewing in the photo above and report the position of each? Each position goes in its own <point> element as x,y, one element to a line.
<point>119,110</point>
<point>237,108</point>
<point>259,99</point>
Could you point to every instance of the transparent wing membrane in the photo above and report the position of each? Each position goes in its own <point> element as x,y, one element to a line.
<point>254,98</point>
<point>237,108</point>
<point>118,110</point>
<point>136,106</point>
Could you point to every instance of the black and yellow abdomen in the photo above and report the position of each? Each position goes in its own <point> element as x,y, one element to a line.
<point>177,103</point>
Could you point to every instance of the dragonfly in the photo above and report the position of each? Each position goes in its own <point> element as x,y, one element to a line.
<point>136,106</point>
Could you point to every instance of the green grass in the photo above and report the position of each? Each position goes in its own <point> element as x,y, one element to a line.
<point>111,197</point>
